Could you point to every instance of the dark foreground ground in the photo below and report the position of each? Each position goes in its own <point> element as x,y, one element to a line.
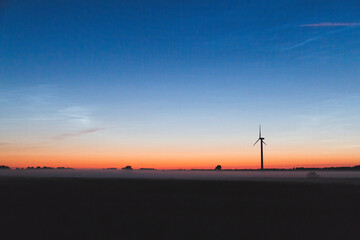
<point>70,208</point>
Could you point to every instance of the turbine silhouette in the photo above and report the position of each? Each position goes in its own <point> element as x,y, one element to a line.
<point>261,139</point>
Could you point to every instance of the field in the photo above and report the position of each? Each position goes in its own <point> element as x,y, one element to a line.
<point>86,208</point>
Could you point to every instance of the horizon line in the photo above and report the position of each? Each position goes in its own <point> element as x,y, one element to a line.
<point>173,169</point>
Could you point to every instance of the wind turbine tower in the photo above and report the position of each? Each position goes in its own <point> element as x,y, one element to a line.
<point>261,139</point>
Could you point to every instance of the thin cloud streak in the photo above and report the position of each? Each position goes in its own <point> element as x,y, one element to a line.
<point>302,43</point>
<point>315,38</point>
<point>351,146</point>
<point>74,134</point>
<point>57,138</point>
<point>331,24</point>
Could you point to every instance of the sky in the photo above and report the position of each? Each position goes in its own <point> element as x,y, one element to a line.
<point>179,84</point>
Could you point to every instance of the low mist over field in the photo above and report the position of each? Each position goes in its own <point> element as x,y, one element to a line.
<point>187,174</point>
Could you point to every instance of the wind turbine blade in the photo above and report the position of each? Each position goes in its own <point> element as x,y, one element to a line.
<point>256,142</point>
<point>259,131</point>
<point>264,143</point>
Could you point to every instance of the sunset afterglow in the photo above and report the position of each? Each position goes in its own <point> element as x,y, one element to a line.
<point>168,85</point>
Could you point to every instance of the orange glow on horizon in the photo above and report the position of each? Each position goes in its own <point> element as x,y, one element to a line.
<point>175,158</point>
<point>175,161</point>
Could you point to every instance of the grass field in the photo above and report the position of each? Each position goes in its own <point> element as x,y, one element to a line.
<point>85,208</point>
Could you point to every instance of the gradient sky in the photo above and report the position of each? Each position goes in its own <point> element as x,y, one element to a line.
<point>179,84</point>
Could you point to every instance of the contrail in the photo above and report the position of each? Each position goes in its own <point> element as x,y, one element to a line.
<point>302,43</point>
<point>67,135</point>
<point>330,24</point>
<point>317,37</point>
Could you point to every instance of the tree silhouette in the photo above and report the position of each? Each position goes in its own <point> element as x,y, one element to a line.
<point>127,168</point>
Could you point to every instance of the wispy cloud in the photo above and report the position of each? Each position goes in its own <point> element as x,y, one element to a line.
<point>350,146</point>
<point>331,123</point>
<point>302,43</point>
<point>74,134</point>
<point>75,115</point>
<point>321,35</point>
<point>61,137</point>
<point>331,24</point>
<point>43,105</point>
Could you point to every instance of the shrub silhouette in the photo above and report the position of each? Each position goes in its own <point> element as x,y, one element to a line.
<point>127,168</point>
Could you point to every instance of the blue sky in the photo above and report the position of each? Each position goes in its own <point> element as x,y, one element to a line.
<point>191,74</point>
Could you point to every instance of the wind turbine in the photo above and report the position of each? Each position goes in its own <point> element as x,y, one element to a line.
<point>261,139</point>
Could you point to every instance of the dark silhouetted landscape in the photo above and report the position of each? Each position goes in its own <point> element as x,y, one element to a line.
<point>86,208</point>
<point>180,120</point>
